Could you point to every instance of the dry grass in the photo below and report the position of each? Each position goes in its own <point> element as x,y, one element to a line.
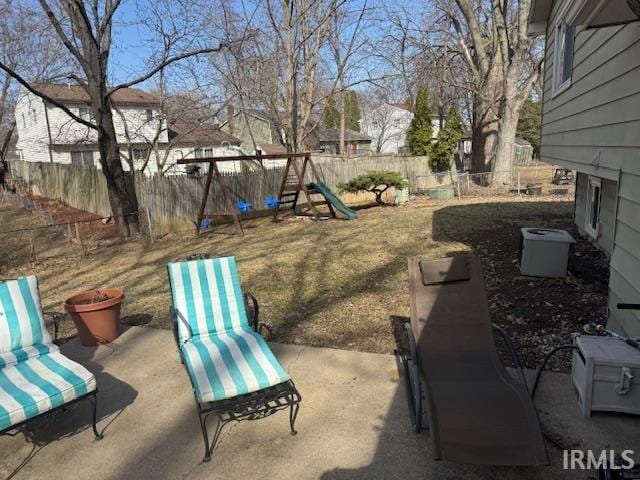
<point>333,283</point>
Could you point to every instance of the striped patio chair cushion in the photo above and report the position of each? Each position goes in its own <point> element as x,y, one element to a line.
<point>39,384</point>
<point>21,354</point>
<point>21,320</point>
<point>229,364</point>
<point>207,295</point>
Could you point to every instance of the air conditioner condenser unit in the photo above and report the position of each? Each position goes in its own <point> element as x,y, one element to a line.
<point>544,252</point>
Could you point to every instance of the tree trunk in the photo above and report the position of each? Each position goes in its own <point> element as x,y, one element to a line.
<point>503,164</point>
<point>484,136</point>
<point>121,187</point>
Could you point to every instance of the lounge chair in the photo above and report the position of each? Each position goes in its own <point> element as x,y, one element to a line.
<point>234,374</point>
<point>477,412</point>
<point>35,378</point>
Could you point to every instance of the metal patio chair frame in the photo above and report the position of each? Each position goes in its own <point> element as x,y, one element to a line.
<point>250,406</point>
<point>92,397</point>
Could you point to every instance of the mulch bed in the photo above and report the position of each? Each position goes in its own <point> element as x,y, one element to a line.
<point>91,227</point>
<point>542,313</point>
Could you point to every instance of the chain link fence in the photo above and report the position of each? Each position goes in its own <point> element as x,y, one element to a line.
<point>533,179</point>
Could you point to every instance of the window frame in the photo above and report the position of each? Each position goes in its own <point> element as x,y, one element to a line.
<point>140,153</point>
<point>148,112</point>
<point>559,84</point>
<point>592,184</point>
<point>84,116</point>
<point>83,160</point>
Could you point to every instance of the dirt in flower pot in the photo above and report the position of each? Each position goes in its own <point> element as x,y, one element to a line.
<point>97,298</point>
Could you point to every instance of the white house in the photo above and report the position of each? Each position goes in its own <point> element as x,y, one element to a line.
<point>387,126</point>
<point>591,124</point>
<point>47,134</point>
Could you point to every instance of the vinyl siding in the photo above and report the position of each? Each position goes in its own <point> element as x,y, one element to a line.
<point>594,127</point>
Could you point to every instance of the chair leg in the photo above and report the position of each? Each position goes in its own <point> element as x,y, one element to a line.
<point>293,413</point>
<point>205,436</point>
<point>94,402</point>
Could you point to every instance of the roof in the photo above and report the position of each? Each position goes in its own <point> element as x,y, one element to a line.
<point>404,106</point>
<point>272,148</point>
<point>202,134</point>
<point>77,94</point>
<point>330,135</point>
<point>522,142</point>
<point>538,15</point>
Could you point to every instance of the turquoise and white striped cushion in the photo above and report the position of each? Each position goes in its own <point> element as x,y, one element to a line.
<point>231,363</point>
<point>39,384</point>
<point>21,320</point>
<point>21,354</point>
<point>207,294</point>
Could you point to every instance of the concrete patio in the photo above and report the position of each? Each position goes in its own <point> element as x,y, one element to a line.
<point>353,423</point>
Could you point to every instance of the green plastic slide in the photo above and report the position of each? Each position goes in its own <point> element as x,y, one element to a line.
<point>334,200</point>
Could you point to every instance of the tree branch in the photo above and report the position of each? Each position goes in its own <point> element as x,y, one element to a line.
<point>63,36</point>
<point>46,97</point>
<point>476,35</point>
<point>168,61</point>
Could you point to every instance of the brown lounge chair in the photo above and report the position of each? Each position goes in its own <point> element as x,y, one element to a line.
<point>477,412</point>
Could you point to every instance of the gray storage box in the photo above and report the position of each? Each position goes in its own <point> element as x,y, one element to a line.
<point>606,374</point>
<point>544,252</point>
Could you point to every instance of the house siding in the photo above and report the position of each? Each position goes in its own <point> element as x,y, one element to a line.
<point>594,127</point>
<point>33,137</point>
<point>248,128</point>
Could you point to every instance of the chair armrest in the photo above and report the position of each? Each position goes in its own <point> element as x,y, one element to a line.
<point>56,317</point>
<point>176,317</point>
<point>254,311</point>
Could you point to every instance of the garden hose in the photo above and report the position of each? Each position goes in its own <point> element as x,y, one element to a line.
<point>544,362</point>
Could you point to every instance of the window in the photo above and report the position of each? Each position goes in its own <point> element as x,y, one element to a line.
<point>34,116</point>
<point>24,121</point>
<point>140,153</point>
<point>197,153</point>
<point>82,159</point>
<point>563,52</point>
<point>594,196</point>
<point>208,152</point>
<point>83,113</point>
<point>149,114</point>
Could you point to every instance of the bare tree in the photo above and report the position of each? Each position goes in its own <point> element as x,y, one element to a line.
<point>505,64</point>
<point>289,67</point>
<point>25,43</point>
<point>85,29</point>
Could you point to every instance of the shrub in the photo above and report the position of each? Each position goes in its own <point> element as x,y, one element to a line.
<point>375,182</point>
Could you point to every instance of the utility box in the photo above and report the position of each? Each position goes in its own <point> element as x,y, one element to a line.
<point>606,374</point>
<point>544,252</point>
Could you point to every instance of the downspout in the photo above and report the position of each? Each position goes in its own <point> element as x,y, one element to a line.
<point>613,247</point>
<point>46,117</point>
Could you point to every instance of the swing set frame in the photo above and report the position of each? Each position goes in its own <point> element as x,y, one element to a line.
<point>289,192</point>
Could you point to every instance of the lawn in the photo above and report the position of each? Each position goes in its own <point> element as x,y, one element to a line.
<point>333,283</point>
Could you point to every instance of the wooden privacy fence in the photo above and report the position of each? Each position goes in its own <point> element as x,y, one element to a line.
<point>173,200</point>
<point>80,187</point>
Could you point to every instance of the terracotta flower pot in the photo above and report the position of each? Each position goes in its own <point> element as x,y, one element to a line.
<point>97,319</point>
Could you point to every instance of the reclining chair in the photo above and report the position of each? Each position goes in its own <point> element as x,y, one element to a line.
<point>35,378</point>
<point>477,412</point>
<point>234,374</point>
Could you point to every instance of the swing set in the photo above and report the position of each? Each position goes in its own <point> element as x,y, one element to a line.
<point>293,183</point>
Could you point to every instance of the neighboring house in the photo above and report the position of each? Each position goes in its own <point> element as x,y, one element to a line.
<point>328,141</point>
<point>47,134</point>
<point>590,123</point>
<point>387,126</point>
<point>190,140</point>
<point>253,128</point>
<point>258,131</point>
